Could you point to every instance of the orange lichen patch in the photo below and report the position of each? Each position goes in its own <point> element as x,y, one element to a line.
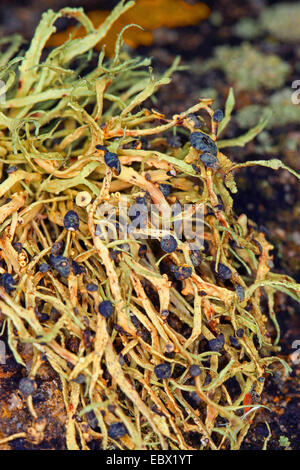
<point>149,14</point>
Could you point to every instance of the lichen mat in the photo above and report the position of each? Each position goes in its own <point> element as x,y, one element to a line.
<point>157,333</point>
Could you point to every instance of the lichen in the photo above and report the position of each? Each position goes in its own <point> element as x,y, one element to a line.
<point>75,134</point>
<point>249,69</point>
<point>282,21</point>
<point>282,111</point>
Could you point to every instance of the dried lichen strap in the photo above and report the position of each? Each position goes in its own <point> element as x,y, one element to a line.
<point>27,314</point>
<point>214,198</point>
<point>221,409</point>
<point>161,283</point>
<point>82,365</point>
<point>70,172</point>
<point>71,415</point>
<point>131,176</point>
<point>63,352</point>
<point>196,332</point>
<point>129,156</point>
<point>158,402</point>
<point>111,273</point>
<point>18,201</point>
<point>177,119</point>
<point>9,253</point>
<point>16,320</point>
<point>100,343</point>
<point>148,324</point>
<point>128,389</point>
<point>14,178</point>
<point>104,193</point>
<point>80,46</point>
<point>150,312</point>
<point>263,266</point>
<point>224,294</point>
<point>197,420</point>
<point>12,437</point>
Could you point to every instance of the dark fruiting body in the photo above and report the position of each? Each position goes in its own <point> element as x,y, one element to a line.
<point>240,292</point>
<point>112,160</point>
<point>195,120</point>
<point>234,342</point>
<point>42,316</point>
<point>165,189</point>
<point>174,141</point>
<point>78,268</point>
<point>71,221</point>
<point>18,247</point>
<point>61,264</point>
<point>27,386</point>
<point>195,257</point>
<point>217,344</point>
<point>12,169</point>
<point>80,379</point>
<point>239,333</point>
<point>203,142</point>
<point>142,250</point>
<point>106,308</point>
<point>101,147</point>
<point>209,160</point>
<point>168,243</point>
<point>91,287</point>
<point>165,314</point>
<point>7,281</point>
<point>218,115</point>
<point>117,430</point>
<point>196,168</point>
<point>207,380</point>
<point>57,248</point>
<point>44,267</point>
<point>141,201</point>
<point>138,209</point>
<point>181,272</point>
<point>163,371</point>
<point>140,221</point>
<point>92,419</point>
<point>223,272</point>
<point>194,370</point>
